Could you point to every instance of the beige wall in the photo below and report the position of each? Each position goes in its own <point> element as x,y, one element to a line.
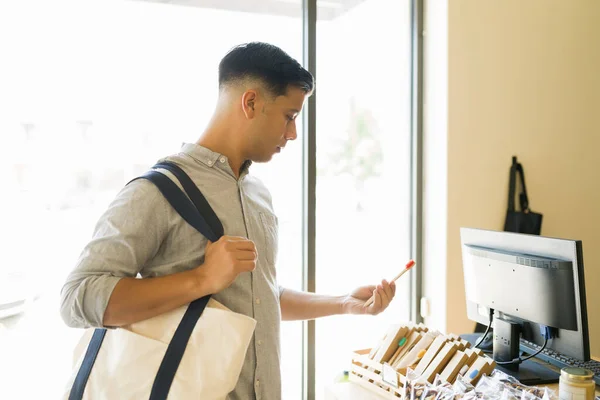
<point>523,79</point>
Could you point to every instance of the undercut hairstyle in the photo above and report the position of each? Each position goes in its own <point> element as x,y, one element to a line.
<point>267,63</point>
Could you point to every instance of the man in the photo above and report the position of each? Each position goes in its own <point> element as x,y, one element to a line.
<point>261,92</point>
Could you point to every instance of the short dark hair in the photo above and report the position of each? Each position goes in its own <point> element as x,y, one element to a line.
<point>267,63</point>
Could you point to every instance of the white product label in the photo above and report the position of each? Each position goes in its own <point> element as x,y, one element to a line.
<point>389,375</point>
<point>571,393</point>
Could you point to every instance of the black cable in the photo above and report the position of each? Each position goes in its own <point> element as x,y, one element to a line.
<point>520,360</point>
<point>487,330</point>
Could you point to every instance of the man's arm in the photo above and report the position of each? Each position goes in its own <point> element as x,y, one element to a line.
<point>102,289</point>
<point>134,300</point>
<point>304,305</point>
<point>126,237</point>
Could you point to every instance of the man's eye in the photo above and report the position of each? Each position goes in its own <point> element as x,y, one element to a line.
<point>290,118</point>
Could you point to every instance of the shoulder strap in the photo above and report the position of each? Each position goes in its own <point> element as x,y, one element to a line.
<point>198,214</point>
<point>198,217</point>
<point>196,196</point>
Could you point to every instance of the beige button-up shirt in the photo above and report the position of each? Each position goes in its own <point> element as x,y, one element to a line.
<point>141,233</point>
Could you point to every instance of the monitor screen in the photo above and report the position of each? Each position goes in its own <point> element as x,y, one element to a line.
<point>531,280</point>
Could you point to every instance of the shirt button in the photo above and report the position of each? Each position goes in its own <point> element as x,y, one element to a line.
<point>209,162</point>
<point>257,383</point>
<point>222,159</point>
<point>260,342</point>
<point>257,300</point>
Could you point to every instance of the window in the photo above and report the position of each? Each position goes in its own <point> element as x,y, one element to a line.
<point>93,93</point>
<point>363,169</point>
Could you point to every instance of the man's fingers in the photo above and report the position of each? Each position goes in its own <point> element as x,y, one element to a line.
<point>226,239</point>
<point>387,289</point>
<point>384,297</point>
<point>245,245</point>
<point>234,238</point>
<point>247,265</point>
<point>376,306</point>
<point>371,287</point>
<point>248,255</point>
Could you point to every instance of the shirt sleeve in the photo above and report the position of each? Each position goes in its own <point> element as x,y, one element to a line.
<point>126,237</point>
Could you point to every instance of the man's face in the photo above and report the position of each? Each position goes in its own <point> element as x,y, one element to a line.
<point>275,124</point>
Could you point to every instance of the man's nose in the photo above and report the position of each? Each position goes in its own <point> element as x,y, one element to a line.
<point>291,133</point>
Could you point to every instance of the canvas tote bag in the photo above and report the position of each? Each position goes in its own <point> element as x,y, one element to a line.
<point>193,352</point>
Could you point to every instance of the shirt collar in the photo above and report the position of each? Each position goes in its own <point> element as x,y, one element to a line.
<point>200,154</point>
<point>211,158</point>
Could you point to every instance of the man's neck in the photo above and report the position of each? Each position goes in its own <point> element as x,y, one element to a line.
<point>222,143</point>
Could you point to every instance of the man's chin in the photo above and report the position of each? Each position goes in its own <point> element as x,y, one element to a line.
<point>263,158</point>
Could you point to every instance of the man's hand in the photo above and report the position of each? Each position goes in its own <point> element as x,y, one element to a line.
<point>354,303</point>
<point>224,260</point>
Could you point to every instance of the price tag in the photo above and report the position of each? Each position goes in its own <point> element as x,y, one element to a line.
<point>389,375</point>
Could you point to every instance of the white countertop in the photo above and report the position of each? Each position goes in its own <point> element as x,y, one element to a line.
<point>349,391</point>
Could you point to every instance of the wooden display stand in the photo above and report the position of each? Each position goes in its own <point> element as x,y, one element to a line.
<point>383,369</point>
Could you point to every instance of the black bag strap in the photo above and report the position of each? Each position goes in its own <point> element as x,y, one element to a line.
<point>198,214</point>
<point>517,168</point>
<point>213,222</point>
<point>86,366</point>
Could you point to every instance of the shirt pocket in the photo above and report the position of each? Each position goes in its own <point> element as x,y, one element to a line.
<point>270,229</point>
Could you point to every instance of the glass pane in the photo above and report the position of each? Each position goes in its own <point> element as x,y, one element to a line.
<point>363,168</point>
<point>92,94</point>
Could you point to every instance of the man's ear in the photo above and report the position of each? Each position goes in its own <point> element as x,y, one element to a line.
<point>249,100</point>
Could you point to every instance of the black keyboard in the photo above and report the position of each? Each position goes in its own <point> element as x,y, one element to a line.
<point>561,360</point>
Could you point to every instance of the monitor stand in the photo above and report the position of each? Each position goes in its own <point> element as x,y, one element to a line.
<point>530,372</point>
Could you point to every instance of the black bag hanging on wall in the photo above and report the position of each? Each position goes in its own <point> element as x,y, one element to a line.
<point>524,221</point>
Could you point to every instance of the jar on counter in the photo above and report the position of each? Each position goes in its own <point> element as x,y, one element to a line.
<point>576,384</point>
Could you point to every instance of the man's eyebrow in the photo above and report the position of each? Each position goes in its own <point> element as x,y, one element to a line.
<point>294,110</point>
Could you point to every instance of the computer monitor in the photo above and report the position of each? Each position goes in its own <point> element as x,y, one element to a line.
<point>530,282</point>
